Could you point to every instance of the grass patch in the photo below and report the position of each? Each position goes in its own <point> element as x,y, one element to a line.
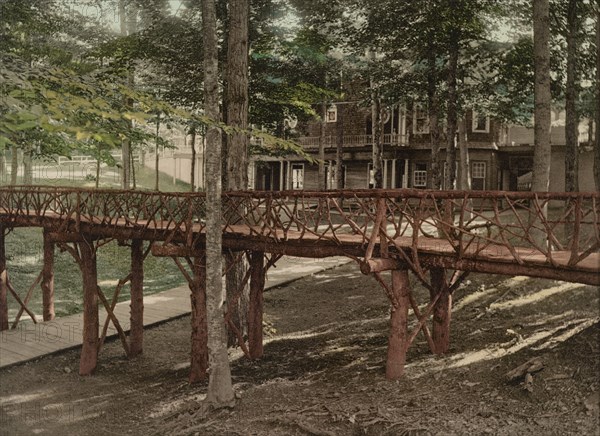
<point>24,251</point>
<point>24,247</point>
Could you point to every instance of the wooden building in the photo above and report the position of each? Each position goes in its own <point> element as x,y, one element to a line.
<point>501,156</point>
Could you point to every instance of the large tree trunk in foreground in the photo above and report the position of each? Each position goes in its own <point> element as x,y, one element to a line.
<point>572,117</point>
<point>220,390</point>
<point>237,148</point>
<point>542,96</point>
<point>597,142</point>
<point>450,179</point>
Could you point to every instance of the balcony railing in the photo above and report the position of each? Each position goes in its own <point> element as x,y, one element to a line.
<point>312,142</point>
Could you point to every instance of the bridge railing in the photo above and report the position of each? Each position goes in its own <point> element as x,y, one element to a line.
<point>514,226</point>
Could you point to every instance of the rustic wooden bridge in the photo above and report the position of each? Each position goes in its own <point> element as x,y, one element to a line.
<point>440,236</point>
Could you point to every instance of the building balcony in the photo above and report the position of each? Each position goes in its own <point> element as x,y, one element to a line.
<point>312,142</point>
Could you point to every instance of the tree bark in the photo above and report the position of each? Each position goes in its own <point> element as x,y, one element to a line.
<point>321,172</point>
<point>450,179</point>
<point>199,335</point>
<point>442,310</point>
<point>14,165</point>
<point>597,141</point>
<point>572,117</point>
<point>377,146</point>
<point>339,151</point>
<point>193,163</point>
<point>237,95</point>
<point>3,283</point>
<point>542,96</point>
<point>464,169</point>
<point>220,390</point>
<point>237,147</point>
<point>2,166</point>
<point>434,125</point>
<point>156,157</point>
<point>128,26</point>
<point>27,167</point>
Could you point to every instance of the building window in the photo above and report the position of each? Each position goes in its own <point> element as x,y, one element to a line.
<point>331,114</point>
<point>481,123</point>
<point>478,175</point>
<point>297,176</point>
<point>420,175</point>
<point>420,120</point>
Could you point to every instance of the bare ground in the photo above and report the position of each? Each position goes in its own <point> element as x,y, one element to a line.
<point>323,370</point>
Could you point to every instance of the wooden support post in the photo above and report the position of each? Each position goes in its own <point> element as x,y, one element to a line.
<point>89,349</point>
<point>48,279</point>
<point>3,284</point>
<point>199,361</point>
<point>255,311</point>
<point>136,317</point>
<point>397,345</point>
<point>441,311</point>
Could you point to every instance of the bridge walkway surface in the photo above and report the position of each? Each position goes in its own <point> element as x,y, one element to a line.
<point>31,341</point>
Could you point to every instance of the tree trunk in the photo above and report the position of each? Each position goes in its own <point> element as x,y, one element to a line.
<point>220,390</point>
<point>542,96</point>
<point>339,151</point>
<point>2,166</point>
<point>193,166</point>
<point>572,117</point>
<point>132,166</point>
<point>434,125</point>
<point>128,26</point>
<point>377,146</point>
<point>237,147</point>
<point>156,156</point>
<point>14,165</point>
<point>597,142</point>
<point>450,179</point>
<point>237,95</point>
<point>321,174</point>
<point>27,167</point>
<point>3,283</point>
<point>464,169</point>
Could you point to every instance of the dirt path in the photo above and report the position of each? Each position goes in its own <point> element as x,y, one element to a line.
<point>323,372</point>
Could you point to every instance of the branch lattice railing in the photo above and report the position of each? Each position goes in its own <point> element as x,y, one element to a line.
<point>560,230</point>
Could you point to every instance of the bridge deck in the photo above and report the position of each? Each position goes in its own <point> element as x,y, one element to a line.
<point>550,235</point>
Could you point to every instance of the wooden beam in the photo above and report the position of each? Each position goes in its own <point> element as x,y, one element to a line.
<point>397,342</point>
<point>442,310</point>
<point>48,279</point>
<point>136,334</point>
<point>255,309</point>
<point>174,250</point>
<point>199,359</point>
<point>89,349</point>
<point>3,283</point>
